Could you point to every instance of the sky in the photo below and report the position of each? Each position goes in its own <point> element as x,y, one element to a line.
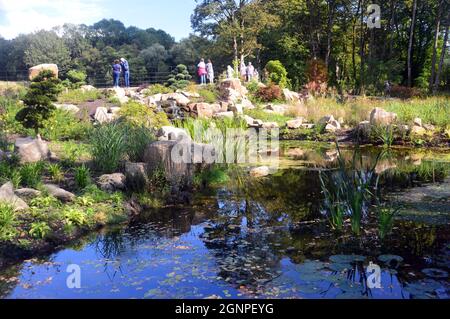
<point>25,16</point>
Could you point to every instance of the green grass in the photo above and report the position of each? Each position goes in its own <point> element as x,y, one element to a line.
<point>260,114</point>
<point>78,96</point>
<point>64,125</point>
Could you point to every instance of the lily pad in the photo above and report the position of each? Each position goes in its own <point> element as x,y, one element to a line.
<point>435,273</point>
<point>391,260</point>
<point>340,267</point>
<point>346,259</point>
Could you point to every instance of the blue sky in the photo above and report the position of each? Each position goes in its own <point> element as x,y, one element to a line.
<point>24,16</point>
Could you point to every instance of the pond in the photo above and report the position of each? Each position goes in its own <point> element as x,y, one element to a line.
<point>265,240</point>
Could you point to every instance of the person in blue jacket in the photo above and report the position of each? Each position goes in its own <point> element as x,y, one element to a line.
<point>126,71</point>
<point>117,70</point>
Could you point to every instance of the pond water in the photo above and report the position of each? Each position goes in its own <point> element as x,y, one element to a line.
<point>265,240</point>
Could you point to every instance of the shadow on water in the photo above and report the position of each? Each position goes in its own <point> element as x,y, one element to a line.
<point>265,238</point>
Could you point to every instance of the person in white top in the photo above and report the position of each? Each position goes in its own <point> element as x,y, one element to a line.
<point>210,72</point>
<point>250,72</point>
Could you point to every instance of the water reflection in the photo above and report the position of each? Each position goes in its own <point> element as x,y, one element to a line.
<point>260,239</point>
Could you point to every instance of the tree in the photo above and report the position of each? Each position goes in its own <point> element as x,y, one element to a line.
<point>441,61</point>
<point>155,58</point>
<point>47,47</point>
<point>39,100</point>
<point>435,44</point>
<point>233,22</point>
<point>410,46</point>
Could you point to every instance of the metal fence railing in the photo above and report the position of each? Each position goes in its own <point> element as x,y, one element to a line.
<point>100,81</point>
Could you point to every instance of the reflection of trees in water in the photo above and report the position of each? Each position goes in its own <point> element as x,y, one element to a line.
<point>245,241</point>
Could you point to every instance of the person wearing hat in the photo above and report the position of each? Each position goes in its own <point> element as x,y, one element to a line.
<point>126,71</point>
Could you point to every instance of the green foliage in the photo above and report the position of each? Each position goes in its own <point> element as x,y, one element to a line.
<point>137,139</point>
<point>8,111</point>
<point>39,230</point>
<point>44,202</point>
<point>180,78</point>
<point>8,221</point>
<point>82,176</point>
<point>209,94</point>
<point>386,216</point>
<point>210,177</point>
<point>158,89</point>
<point>76,78</point>
<point>63,125</point>
<point>79,96</point>
<point>260,114</point>
<point>56,172</point>
<point>75,217</point>
<point>108,146</point>
<point>39,100</point>
<point>141,115</point>
<point>117,141</point>
<point>31,174</point>
<point>349,190</point>
<point>277,73</point>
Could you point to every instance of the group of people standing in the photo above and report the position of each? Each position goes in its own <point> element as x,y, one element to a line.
<point>205,72</point>
<point>121,68</point>
<point>248,72</point>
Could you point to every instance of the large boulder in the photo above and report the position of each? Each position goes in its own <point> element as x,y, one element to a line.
<point>378,116</point>
<point>120,94</point>
<point>68,108</point>
<point>170,133</point>
<point>112,182</point>
<point>102,115</point>
<point>223,115</point>
<point>31,150</point>
<point>330,123</point>
<point>204,110</point>
<point>179,98</point>
<point>258,172</point>
<point>136,175</point>
<point>35,70</point>
<point>232,90</point>
<point>59,193</point>
<point>295,124</point>
<point>27,193</point>
<point>177,159</point>
<point>292,97</point>
<point>8,196</point>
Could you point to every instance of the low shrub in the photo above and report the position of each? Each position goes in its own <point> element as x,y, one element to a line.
<point>277,74</point>
<point>209,94</point>
<point>82,177</point>
<point>39,230</point>
<point>8,221</point>
<point>270,93</point>
<point>141,115</point>
<point>404,92</point>
<point>108,146</point>
<point>158,89</point>
<point>63,125</point>
<point>31,174</point>
<point>56,172</point>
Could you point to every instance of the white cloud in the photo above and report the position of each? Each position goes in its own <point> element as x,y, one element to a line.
<point>24,16</point>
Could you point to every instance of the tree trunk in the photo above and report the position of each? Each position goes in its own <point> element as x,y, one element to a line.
<point>435,45</point>
<point>331,7</point>
<point>410,46</point>
<point>441,61</point>
<point>361,52</point>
